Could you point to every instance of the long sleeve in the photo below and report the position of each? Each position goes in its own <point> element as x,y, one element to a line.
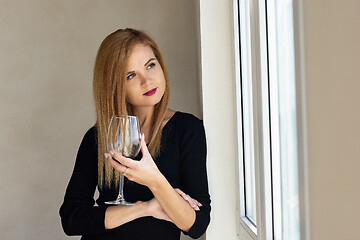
<point>78,214</point>
<point>193,173</point>
<point>182,161</point>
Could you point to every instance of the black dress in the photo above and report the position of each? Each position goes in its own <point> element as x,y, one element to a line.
<point>182,160</point>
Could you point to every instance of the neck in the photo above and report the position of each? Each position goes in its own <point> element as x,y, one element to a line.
<point>145,115</point>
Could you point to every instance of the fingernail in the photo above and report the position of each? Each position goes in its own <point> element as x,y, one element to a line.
<point>197,208</point>
<point>200,204</point>
<point>186,198</point>
<point>106,156</point>
<point>112,153</point>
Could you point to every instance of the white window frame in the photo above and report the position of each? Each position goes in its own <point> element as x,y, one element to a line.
<point>263,230</point>
<point>263,168</point>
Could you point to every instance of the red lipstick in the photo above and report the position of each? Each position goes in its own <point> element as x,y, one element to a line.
<point>150,92</point>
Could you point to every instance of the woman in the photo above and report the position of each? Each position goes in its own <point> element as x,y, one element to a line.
<point>130,78</point>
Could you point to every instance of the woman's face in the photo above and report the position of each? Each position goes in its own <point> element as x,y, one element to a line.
<point>145,81</point>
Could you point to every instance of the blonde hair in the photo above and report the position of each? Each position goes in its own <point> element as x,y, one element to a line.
<point>109,94</point>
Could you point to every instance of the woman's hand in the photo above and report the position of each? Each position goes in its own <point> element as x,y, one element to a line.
<point>154,209</point>
<point>144,172</point>
<point>194,204</point>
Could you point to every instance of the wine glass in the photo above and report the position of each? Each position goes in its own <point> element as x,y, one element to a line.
<point>123,137</point>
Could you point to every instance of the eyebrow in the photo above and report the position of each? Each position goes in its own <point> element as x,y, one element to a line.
<point>130,72</point>
<point>151,59</point>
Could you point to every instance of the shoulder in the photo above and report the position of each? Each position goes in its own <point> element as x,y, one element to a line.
<point>91,133</point>
<point>90,138</point>
<point>190,132</point>
<point>186,124</point>
<point>187,119</point>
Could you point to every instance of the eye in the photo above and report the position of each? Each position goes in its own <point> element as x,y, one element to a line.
<point>151,65</point>
<point>130,76</point>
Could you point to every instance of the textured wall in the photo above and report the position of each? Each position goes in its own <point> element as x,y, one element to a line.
<point>47,52</point>
<point>332,50</point>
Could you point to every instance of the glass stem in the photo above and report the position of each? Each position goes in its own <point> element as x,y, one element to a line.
<point>121,188</point>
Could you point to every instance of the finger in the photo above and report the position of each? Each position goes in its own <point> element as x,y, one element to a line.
<point>191,202</point>
<point>196,207</point>
<point>119,167</point>
<point>128,162</point>
<point>185,197</point>
<point>144,148</point>
<point>193,205</point>
<point>197,203</point>
<point>181,193</point>
<point>115,163</point>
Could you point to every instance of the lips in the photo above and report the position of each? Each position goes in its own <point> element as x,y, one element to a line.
<point>150,92</point>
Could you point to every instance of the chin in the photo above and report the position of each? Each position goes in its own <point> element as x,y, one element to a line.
<point>156,99</point>
<point>147,103</point>
<point>155,102</point>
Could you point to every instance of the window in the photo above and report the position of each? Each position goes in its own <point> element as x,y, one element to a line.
<point>283,118</point>
<point>248,161</point>
<point>267,126</point>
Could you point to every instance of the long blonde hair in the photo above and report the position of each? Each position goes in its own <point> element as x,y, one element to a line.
<point>109,94</point>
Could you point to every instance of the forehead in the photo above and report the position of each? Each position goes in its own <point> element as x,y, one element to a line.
<point>140,54</point>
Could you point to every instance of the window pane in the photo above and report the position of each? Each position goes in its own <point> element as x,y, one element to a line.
<point>247,101</point>
<point>283,119</point>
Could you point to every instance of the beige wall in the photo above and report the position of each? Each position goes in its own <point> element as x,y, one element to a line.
<point>332,51</point>
<point>47,51</point>
<point>219,104</point>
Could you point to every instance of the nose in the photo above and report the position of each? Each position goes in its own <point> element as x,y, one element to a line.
<point>146,80</point>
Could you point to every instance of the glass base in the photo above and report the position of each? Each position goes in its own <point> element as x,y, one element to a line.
<point>119,202</point>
